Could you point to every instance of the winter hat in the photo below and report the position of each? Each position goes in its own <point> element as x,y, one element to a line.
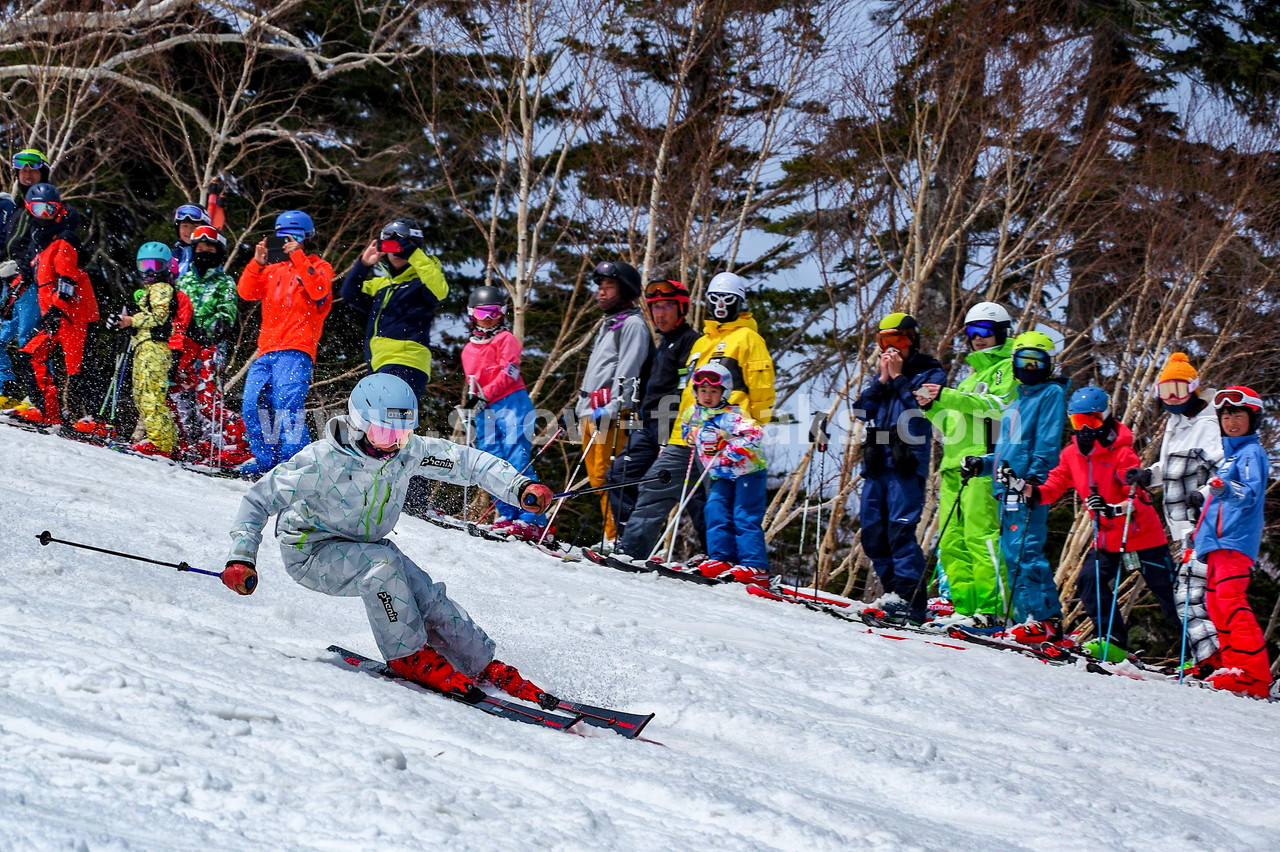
<point>1178,368</point>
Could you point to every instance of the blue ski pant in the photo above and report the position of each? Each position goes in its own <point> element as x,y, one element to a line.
<point>1022,535</point>
<point>734,514</point>
<point>274,419</point>
<point>505,429</point>
<point>1097,580</point>
<point>19,328</point>
<point>890,513</point>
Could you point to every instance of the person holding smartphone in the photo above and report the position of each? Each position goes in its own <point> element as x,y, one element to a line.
<point>296,295</point>
<point>396,287</point>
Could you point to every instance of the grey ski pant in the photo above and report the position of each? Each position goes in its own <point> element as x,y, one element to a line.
<point>656,500</point>
<point>406,609</point>
<point>1189,595</point>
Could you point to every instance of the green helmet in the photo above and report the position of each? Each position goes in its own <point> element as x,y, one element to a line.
<point>1033,340</point>
<point>900,322</point>
<point>154,251</point>
<point>31,158</point>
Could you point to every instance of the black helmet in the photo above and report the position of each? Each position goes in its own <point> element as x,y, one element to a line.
<point>42,192</point>
<point>487,295</point>
<point>402,229</point>
<point>624,273</point>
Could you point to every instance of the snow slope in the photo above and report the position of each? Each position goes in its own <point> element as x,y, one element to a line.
<point>144,709</point>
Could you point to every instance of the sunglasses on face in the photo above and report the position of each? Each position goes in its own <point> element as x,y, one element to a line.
<point>1231,397</point>
<point>1090,420</point>
<point>1173,390</point>
<point>44,209</point>
<point>484,312</point>
<point>150,264</point>
<point>980,328</point>
<point>1031,359</point>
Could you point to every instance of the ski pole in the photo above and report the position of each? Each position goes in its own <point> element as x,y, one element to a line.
<point>559,503</point>
<point>46,538</point>
<point>663,476</point>
<point>942,532</point>
<point>684,501</point>
<point>493,504</point>
<point>684,486</point>
<point>1125,562</point>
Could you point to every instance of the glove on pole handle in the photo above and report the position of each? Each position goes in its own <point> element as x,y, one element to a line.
<point>493,504</point>
<point>663,476</point>
<point>46,538</point>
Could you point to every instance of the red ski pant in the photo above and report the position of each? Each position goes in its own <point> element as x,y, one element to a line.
<point>1239,638</point>
<point>69,339</point>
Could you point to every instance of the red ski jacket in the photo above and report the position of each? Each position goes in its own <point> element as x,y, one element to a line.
<point>60,259</point>
<point>1104,467</point>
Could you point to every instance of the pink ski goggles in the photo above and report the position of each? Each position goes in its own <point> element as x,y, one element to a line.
<point>387,438</point>
<point>486,312</point>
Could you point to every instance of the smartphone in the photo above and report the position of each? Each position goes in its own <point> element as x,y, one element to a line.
<point>275,249</point>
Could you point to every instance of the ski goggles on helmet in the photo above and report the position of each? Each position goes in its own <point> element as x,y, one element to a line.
<point>1236,398</point>
<point>979,328</point>
<point>486,312</point>
<point>1088,420</point>
<point>658,290</point>
<point>29,160</point>
<point>708,378</point>
<point>208,234</point>
<point>606,269</point>
<point>190,213</point>
<point>892,338</point>
<point>1031,359</point>
<point>1174,390</point>
<point>44,209</point>
<point>150,264</point>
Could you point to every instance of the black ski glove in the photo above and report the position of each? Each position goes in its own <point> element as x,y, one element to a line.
<point>1139,476</point>
<point>970,466</point>
<point>1195,501</point>
<point>51,321</point>
<point>1102,508</point>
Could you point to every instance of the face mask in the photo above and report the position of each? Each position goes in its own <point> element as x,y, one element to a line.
<point>1180,408</point>
<point>204,261</point>
<point>1031,375</point>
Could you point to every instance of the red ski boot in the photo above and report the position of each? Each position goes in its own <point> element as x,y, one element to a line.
<point>428,668</point>
<point>508,679</point>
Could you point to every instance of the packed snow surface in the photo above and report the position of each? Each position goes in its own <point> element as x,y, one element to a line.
<point>146,709</point>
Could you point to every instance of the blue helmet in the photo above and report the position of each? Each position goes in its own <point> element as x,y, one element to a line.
<point>296,224</point>
<point>384,408</point>
<point>1088,400</point>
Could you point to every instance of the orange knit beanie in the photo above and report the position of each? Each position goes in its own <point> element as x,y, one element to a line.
<point>1178,367</point>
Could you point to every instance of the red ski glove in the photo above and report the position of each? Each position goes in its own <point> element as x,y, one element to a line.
<point>535,497</point>
<point>240,577</point>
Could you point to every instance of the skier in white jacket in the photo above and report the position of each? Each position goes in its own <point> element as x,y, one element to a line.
<point>1190,453</point>
<point>337,501</point>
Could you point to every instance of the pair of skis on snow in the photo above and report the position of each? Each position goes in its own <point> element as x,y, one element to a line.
<point>628,725</point>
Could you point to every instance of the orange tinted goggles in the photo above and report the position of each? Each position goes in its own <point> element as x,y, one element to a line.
<point>1086,421</point>
<point>893,340</point>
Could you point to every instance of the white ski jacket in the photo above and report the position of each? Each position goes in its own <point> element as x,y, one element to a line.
<point>1190,452</point>
<point>331,490</point>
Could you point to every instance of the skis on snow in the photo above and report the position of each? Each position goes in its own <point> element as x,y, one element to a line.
<point>629,725</point>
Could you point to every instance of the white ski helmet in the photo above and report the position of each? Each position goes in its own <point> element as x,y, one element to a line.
<point>989,311</point>
<point>988,319</point>
<point>726,296</point>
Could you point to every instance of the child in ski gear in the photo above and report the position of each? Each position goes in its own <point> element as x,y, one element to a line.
<point>498,401</point>
<point>728,444</point>
<point>614,374</point>
<point>1027,449</point>
<point>397,287</point>
<point>968,417</point>
<point>186,219</point>
<point>1128,532</point>
<point>1190,452</point>
<point>216,436</point>
<point>19,304</point>
<point>338,500</point>
<point>67,305</point>
<point>1227,539</point>
<point>894,468</point>
<point>296,296</point>
<point>152,324</point>
<point>730,338</point>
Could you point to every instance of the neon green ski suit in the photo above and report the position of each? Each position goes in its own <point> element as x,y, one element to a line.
<point>968,418</point>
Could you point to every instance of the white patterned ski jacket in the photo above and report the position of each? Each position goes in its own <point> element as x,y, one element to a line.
<point>331,490</point>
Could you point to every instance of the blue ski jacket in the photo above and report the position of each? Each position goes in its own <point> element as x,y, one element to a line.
<point>1030,433</point>
<point>1233,520</point>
